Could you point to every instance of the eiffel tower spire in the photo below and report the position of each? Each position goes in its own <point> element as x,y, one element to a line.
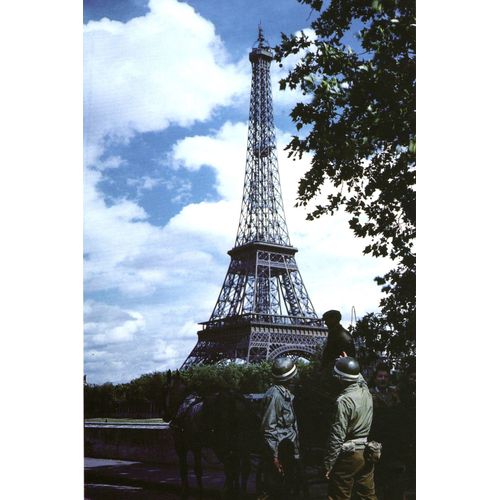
<point>262,215</point>
<point>263,309</point>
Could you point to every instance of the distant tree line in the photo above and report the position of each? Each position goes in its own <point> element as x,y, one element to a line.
<point>144,397</point>
<point>140,398</point>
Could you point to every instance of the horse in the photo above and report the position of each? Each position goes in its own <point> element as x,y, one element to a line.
<point>234,432</point>
<point>183,413</point>
<point>223,421</point>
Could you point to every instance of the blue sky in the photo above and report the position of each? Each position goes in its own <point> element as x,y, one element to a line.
<point>166,95</point>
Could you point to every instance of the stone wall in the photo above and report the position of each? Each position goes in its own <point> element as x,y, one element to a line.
<point>154,444</point>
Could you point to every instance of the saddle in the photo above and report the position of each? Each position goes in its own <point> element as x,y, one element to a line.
<point>185,410</point>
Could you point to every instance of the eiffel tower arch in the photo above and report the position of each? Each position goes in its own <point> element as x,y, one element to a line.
<point>263,310</point>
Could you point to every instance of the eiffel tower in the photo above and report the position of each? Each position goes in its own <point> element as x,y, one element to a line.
<point>263,310</point>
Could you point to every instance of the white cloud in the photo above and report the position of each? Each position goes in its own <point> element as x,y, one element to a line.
<point>168,278</point>
<point>127,253</point>
<point>178,269</point>
<point>105,324</point>
<point>136,258</point>
<point>145,183</point>
<point>168,66</point>
<point>334,270</point>
<point>165,351</point>
<point>110,162</point>
<point>224,151</point>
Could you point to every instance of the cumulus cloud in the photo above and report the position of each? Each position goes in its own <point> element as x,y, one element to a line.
<point>105,325</point>
<point>224,151</point>
<point>162,340</point>
<point>109,162</point>
<point>145,183</point>
<point>168,66</point>
<point>126,253</point>
<point>178,269</point>
<point>342,279</point>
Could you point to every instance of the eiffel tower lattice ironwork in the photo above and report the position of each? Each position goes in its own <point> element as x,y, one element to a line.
<point>263,310</point>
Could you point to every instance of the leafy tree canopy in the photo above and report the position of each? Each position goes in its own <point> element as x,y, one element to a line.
<point>360,130</point>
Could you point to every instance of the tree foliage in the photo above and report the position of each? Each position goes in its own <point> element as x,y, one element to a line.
<point>248,378</point>
<point>144,397</point>
<point>359,120</point>
<point>378,342</point>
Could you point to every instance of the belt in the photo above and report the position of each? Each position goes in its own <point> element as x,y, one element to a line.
<point>359,443</point>
<point>359,440</point>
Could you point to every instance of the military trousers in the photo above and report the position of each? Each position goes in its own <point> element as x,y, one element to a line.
<point>351,473</point>
<point>288,484</point>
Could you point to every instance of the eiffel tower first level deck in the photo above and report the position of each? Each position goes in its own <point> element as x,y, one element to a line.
<point>263,310</point>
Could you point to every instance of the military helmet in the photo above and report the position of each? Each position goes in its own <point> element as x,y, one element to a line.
<point>346,369</point>
<point>283,369</point>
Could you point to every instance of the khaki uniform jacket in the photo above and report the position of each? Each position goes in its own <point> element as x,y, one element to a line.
<point>278,421</point>
<point>352,419</point>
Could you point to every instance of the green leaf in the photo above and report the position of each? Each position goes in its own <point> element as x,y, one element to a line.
<point>363,141</point>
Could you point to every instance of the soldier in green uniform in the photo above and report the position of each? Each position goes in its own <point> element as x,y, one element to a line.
<point>281,435</point>
<point>348,466</point>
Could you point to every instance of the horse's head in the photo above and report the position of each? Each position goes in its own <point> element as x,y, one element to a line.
<point>175,392</point>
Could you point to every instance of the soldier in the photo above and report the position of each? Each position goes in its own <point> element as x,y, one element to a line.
<point>384,395</point>
<point>408,402</point>
<point>339,342</point>
<point>349,463</point>
<point>281,435</point>
<point>388,427</point>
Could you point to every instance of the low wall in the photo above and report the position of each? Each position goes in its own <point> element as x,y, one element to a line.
<point>144,443</point>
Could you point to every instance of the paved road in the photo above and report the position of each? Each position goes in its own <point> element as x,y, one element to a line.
<point>125,480</point>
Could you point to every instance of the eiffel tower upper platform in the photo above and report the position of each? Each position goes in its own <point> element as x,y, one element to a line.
<point>263,310</point>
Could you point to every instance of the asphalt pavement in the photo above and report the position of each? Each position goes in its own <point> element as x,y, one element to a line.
<point>127,480</point>
<point>107,479</point>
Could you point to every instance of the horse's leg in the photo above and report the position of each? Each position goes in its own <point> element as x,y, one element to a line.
<point>197,468</point>
<point>183,468</point>
<point>244,471</point>
<point>181,449</point>
<point>236,474</point>
<point>229,477</point>
<point>235,471</point>
<point>259,476</point>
